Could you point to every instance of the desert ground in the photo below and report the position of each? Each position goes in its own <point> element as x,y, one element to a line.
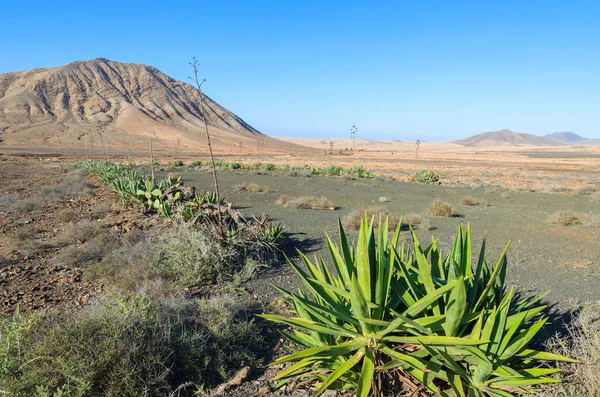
<point>519,194</point>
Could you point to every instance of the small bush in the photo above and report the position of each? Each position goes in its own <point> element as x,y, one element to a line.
<point>427,176</point>
<point>306,202</point>
<point>300,173</point>
<point>123,347</point>
<point>586,190</point>
<point>416,220</point>
<point>440,208</point>
<point>565,218</point>
<point>582,341</point>
<point>26,231</point>
<point>91,252</point>
<point>473,201</point>
<point>80,232</point>
<point>9,202</point>
<point>191,256</point>
<point>283,200</point>
<point>176,163</point>
<point>66,215</point>
<point>353,219</point>
<point>251,188</point>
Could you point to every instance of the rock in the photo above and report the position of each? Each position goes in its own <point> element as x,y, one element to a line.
<point>237,380</point>
<point>384,199</point>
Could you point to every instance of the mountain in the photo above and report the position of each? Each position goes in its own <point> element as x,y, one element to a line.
<point>102,102</point>
<point>571,138</point>
<point>506,138</point>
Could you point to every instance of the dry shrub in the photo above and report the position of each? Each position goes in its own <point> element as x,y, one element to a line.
<point>592,220</point>
<point>66,215</point>
<point>306,202</point>
<point>416,220</point>
<point>26,231</point>
<point>9,202</point>
<point>472,201</point>
<point>440,208</point>
<point>565,218</point>
<point>80,232</point>
<point>583,343</point>
<point>283,200</point>
<point>252,188</point>
<point>300,173</point>
<point>353,219</point>
<point>586,190</point>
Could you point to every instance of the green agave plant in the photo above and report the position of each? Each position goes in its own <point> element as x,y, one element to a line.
<point>382,312</point>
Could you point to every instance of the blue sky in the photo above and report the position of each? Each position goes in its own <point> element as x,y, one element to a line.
<point>429,70</point>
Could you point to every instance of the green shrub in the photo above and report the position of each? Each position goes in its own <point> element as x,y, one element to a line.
<point>428,176</point>
<point>128,347</point>
<point>176,163</point>
<point>448,326</point>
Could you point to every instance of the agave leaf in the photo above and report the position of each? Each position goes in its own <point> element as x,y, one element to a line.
<point>359,305</point>
<point>499,327</point>
<point>428,300</point>
<point>335,312</point>
<point>308,325</point>
<point>324,351</point>
<point>522,339</point>
<point>544,356</point>
<point>348,257</point>
<point>455,308</point>
<point>435,340</point>
<point>316,315</point>
<point>363,261</point>
<point>456,256</point>
<point>300,338</point>
<point>495,274</point>
<point>302,364</point>
<point>338,261</point>
<point>366,375</point>
<point>523,382</point>
<point>424,270</point>
<point>415,366</point>
<point>341,370</point>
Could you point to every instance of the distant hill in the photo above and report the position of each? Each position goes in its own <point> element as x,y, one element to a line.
<point>91,103</point>
<point>571,138</point>
<point>506,138</point>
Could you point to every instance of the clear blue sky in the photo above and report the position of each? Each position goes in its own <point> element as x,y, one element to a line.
<point>433,70</point>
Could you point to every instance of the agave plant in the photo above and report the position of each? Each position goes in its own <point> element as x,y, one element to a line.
<point>505,364</point>
<point>385,313</point>
<point>355,319</point>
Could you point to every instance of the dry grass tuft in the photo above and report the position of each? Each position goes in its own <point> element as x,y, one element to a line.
<point>306,202</point>
<point>440,208</point>
<point>565,218</point>
<point>473,201</point>
<point>251,188</point>
<point>417,220</point>
<point>353,219</point>
<point>79,233</point>
<point>592,220</point>
<point>586,191</point>
<point>66,215</point>
<point>583,343</point>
